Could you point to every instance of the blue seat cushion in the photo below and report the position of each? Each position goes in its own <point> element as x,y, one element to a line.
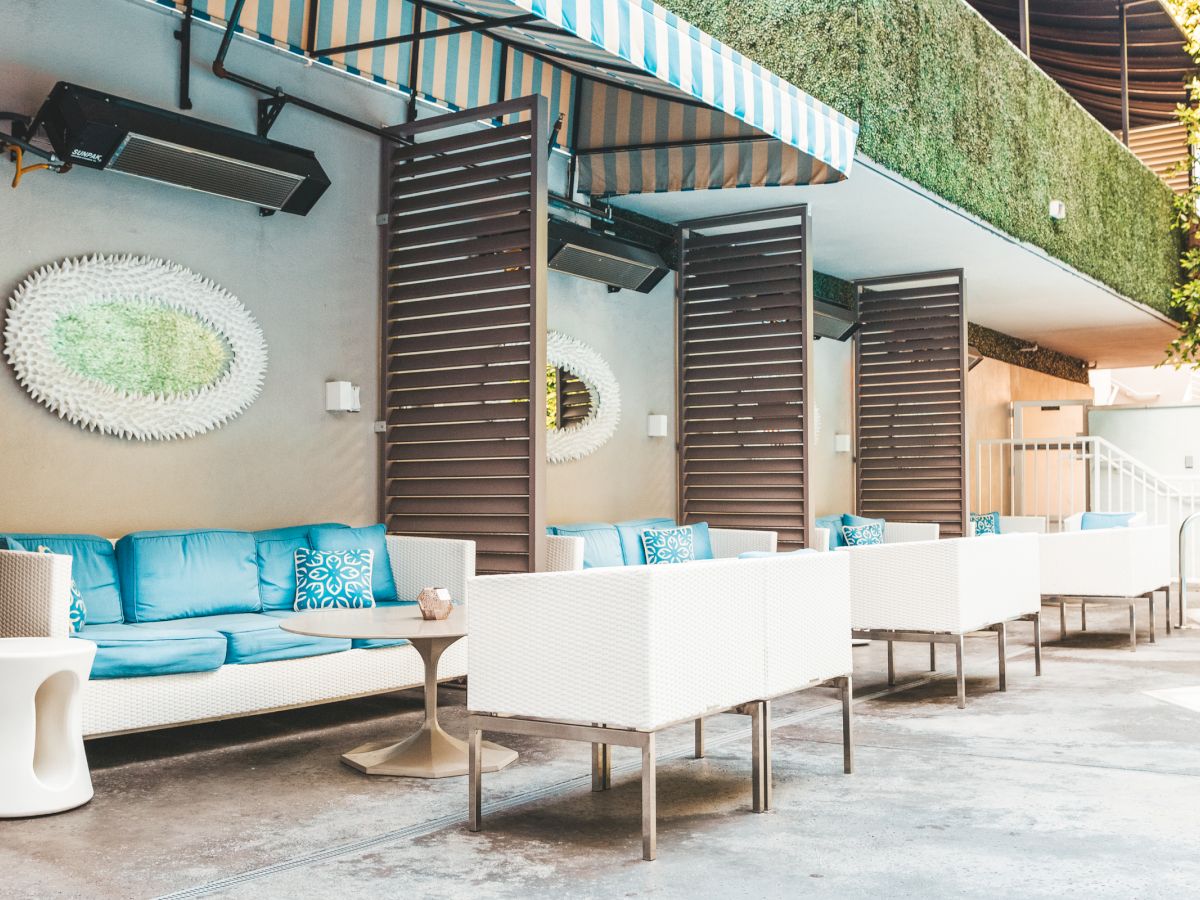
<point>276,550</point>
<point>1092,520</point>
<point>372,537</point>
<point>93,568</point>
<point>178,574</point>
<point>834,525</point>
<point>256,637</point>
<point>632,550</point>
<point>132,651</point>
<point>358,643</point>
<point>601,543</point>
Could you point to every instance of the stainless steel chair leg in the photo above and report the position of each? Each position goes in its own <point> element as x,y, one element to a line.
<point>1083,615</point>
<point>1037,643</point>
<point>768,786</point>
<point>1132,626</point>
<point>1002,652</point>
<point>756,756</point>
<point>962,680</point>
<point>1150,597</point>
<point>699,739</point>
<point>649,800</point>
<point>601,767</point>
<point>474,777</point>
<point>1167,600</point>
<point>847,686</point>
<point>891,663</point>
<point>932,656</point>
<point>1062,620</point>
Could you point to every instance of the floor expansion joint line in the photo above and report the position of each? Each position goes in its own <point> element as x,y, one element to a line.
<point>423,829</point>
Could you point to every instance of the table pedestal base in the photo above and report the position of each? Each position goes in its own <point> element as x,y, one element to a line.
<point>430,753</point>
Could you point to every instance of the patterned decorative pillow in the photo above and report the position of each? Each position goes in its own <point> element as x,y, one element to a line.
<point>862,535</point>
<point>78,610</point>
<point>669,545</point>
<point>986,523</point>
<point>334,579</point>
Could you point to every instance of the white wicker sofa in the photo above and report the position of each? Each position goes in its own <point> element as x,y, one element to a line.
<point>940,591</point>
<point>568,552</point>
<point>35,600</point>
<point>1111,566</point>
<point>611,656</point>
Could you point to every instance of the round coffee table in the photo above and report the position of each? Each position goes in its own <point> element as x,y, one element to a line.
<point>431,752</point>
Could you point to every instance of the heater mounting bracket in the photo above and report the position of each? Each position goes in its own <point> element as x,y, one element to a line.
<point>269,109</point>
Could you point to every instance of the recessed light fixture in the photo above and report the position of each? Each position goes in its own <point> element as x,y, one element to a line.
<point>1058,210</point>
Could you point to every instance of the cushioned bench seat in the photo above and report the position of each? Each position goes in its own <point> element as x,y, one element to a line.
<point>357,643</point>
<point>254,637</point>
<point>131,651</point>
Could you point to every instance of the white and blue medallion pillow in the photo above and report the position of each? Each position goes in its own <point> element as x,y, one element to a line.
<point>669,545</point>
<point>78,610</point>
<point>334,579</point>
<point>986,523</point>
<point>863,535</point>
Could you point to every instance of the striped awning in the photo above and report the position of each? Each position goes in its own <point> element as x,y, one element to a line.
<point>645,100</point>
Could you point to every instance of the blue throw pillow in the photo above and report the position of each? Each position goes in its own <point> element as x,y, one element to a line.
<point>862,535</point>
<point>986,523</point>
<point>833,524</point>
<point>1092,520</point>
<point>373,538</point>
<point>78,610</point>
<point>669,545</point>
<point>630,535</point>
<point>334,579</point>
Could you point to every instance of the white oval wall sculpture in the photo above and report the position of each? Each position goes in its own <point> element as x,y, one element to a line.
<point>134,347</point>
<point>578,440</point>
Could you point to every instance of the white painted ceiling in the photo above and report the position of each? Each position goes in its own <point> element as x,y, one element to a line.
<point>877,223</point>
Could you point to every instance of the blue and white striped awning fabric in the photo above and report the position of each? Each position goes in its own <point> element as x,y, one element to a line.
<point>646,101</point>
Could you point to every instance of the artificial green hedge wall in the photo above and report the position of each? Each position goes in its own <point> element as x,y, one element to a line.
<point>947,101</point>
<point>997,345</point>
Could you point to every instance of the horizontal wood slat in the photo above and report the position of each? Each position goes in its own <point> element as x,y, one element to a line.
<point>910,420</point>
<point>743,368</point>
<point>460,333</point>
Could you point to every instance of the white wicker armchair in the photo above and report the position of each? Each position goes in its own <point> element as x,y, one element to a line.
<point>1112,566</point>
<point>613,655</point>
<point>35,602</point>
<point>940,591</point>
<point>565,553</point>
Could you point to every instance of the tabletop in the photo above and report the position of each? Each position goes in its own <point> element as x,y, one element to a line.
<point>396,623</point>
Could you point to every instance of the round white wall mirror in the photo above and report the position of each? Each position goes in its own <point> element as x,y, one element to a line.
<point>583,399</point>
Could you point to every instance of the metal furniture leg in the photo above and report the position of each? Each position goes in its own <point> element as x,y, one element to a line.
<point>1167,600</point>
<point>1037,643</point>
<point>649,801</point>
<point>1083,615</point>
<point>475,777</point>
<point>767,775</point>
<point>601,767</point>
<point>1002,652</point>
<point>932,656</point>
<point>754,710</point>
<point>1132,626</point>
<point>699,739</point>
<point>846,683</point>
<point>1062,620</point>
<point>891,664</point>
<point>1150,597</point>
<point>962,681</point>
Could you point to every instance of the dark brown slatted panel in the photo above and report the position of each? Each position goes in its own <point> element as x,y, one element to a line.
<point>910,378</point>
<point>464,343</point>
<point>745,338</point>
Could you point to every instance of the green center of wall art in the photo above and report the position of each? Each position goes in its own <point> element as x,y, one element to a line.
<point>134,347</point>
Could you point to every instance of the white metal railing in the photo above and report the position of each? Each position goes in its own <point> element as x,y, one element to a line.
<point>1057,477</point>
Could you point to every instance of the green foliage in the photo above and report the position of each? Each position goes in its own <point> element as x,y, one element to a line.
<point>1185,298</point>
<point>947,101</point>
<point>141,348</point>
<point>551,398</point>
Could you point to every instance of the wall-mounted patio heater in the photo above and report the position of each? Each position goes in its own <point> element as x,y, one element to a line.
<point>602,257</point>
<point>100,131</point>
<point>833,321</point>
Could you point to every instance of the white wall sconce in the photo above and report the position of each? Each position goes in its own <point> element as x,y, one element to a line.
<point>841,443</point>
<point>656,425</point>
<point>1058,210</point>
<point>342,396</point>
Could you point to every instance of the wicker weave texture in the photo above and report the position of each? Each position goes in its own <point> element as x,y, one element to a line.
<point>729,542</point>
<point>1105,562</point>
<point>421,562</point>
<point>903,532</point>
<point>955,585</point>
<point>634,647</point>
<point>35,594</point>
<point>131,704</point>
<point>807,630</point>
<point>563,554</point>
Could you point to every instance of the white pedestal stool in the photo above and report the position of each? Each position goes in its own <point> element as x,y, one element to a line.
<point>43,768</point>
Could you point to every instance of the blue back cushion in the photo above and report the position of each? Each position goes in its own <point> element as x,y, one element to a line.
<point>1105,520</point>
<point>630,534</point>
<point>372,537</point>
<point>601,543</point>
<point>93,568</point>
<point>834,525</point>
<point>276,549</point>
<point>177,574</point>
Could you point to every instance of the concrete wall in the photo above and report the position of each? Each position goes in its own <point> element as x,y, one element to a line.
<point>312,284</point>
<point>833,383</point>
<point>1161,437</point>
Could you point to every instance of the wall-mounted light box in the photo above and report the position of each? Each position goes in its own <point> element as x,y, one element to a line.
<point>656,425</point>
<point>342,396</point>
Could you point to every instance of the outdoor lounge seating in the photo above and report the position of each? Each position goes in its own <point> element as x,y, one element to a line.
<point>1113,566</point>
<point>187,627</point>
<point>613,656</point>
<point>940,591</point>
<point>828,531</point>
<point>601,544</point>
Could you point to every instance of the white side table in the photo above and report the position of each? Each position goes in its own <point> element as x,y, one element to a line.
<point>43,768</point>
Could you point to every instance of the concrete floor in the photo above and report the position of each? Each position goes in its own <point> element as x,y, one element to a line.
<point>1078,783</point>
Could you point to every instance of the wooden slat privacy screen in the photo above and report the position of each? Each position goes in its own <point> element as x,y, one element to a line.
<point>745,341</point>
<point>910,411</point>
<point>465,339</point>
